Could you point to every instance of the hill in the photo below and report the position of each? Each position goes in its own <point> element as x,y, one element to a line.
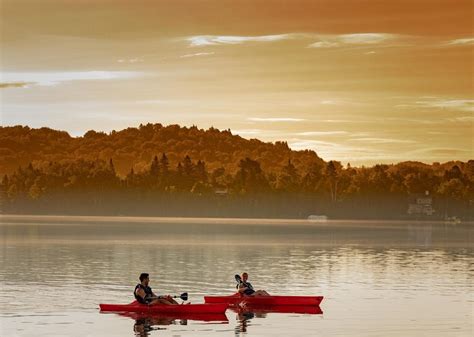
<point>136,147</point>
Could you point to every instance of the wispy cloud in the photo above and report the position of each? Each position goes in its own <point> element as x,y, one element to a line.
<point>462,119</point>
<point>324,44</point>
<point>332,150</point>
<point>54,78</point>
<point>469,41</point>
<point>328,102</point>
<point>426,121</point>
<point>209,40</point>
<point>197,54</point>
<point>303,144</point>
<point>366,38</point>
<point>322,40</point>
<point>328,41</point>
<point>15,85</point>
<point>247,132</point>
<point>383,140</point>
<point>275,119</point>
<point>321,133</point>
<point>332,41</point>
<point>132,60</point>
<point>437,103</point>
<point>440,151</point>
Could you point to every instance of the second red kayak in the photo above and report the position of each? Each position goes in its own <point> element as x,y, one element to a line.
<point>264,300</point>
<point>216,308</point>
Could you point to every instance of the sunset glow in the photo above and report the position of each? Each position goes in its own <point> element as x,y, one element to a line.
<point>356,81</point>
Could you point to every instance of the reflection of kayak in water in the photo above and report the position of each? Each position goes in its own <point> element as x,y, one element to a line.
<point>266,300</point>
<point>168,318</point>
<point>245,313</point>
<point>284,309</point>
<point>217,308</point>
<point>147,322</point>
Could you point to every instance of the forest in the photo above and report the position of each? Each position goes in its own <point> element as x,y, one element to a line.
<point>157,170</point>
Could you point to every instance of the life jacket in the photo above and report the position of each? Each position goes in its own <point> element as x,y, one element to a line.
<point>249,291</point>
<point>148,294</point>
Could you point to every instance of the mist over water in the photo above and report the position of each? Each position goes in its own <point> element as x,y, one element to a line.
<point>378,278</point>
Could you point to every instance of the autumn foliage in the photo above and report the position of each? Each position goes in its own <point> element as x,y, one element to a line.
<point>173,170</point>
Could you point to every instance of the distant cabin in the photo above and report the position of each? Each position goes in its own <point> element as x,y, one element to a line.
<point>317,218</point>
<point>221,192</point>
<point>421,205</point>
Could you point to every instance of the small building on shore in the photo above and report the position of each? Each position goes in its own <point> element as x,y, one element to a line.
<point>222,192</point>
<point>421,205</point>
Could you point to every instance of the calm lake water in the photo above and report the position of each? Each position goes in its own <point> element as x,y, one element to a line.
<point>378,278</point>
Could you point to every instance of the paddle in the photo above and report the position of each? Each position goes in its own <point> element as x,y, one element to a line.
<point>183,296</point>
<point>238,278</point>
<point>240,281</point>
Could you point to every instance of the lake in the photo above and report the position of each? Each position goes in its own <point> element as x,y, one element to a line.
<point>378,278</point>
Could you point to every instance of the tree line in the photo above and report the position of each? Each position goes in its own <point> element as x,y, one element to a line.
<point>190,187</point>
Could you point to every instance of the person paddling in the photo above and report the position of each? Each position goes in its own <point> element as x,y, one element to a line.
<point>145,295</point>
<point>246,289</point>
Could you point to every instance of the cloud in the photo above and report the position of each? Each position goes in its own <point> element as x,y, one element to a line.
<point>15,85</point>
<point>457,104</point>
<point>197,54</point>
<point>323,40</point>
<point>321,133</point>
<point>383,140</point>
<point>462,119</point>
<point>324,44</point>
<point>437,103</point>
<point>132,60</point>
<point>210,40</point>
<point>275,119</point>
<point>366,38</point>
<point>302,144</point>
<point>328,102</point>
<point>441,151</point>
<point>434,121</point>
<point>332,41</point>
<point>246,132</point>
<point>327,41</point>
<point>461,42</point>
<point>334,151</point>
<point>54,78</point>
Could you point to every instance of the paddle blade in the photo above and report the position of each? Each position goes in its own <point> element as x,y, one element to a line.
<point>184,296</point>
<point>238,278</point>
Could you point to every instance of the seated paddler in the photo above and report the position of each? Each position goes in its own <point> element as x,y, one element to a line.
<point>145,295</point>
<point>246,289</point>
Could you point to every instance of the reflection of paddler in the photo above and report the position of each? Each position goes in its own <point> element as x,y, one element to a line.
<point>144,325</point>
<point>243,318</point>
<point>245,287</point>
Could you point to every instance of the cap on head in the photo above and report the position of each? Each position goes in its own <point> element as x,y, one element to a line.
<point>144,276</point>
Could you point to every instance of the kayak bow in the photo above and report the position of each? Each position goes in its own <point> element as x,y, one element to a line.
<point>265,300</point>
<point>216,308</point>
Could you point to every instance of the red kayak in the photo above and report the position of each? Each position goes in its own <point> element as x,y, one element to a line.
<point>217,308</point>
<point>265,300</point>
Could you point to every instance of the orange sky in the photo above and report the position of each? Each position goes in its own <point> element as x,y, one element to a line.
<point>357,81</point>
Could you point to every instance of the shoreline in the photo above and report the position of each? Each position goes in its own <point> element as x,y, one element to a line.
<point>224,221</point>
